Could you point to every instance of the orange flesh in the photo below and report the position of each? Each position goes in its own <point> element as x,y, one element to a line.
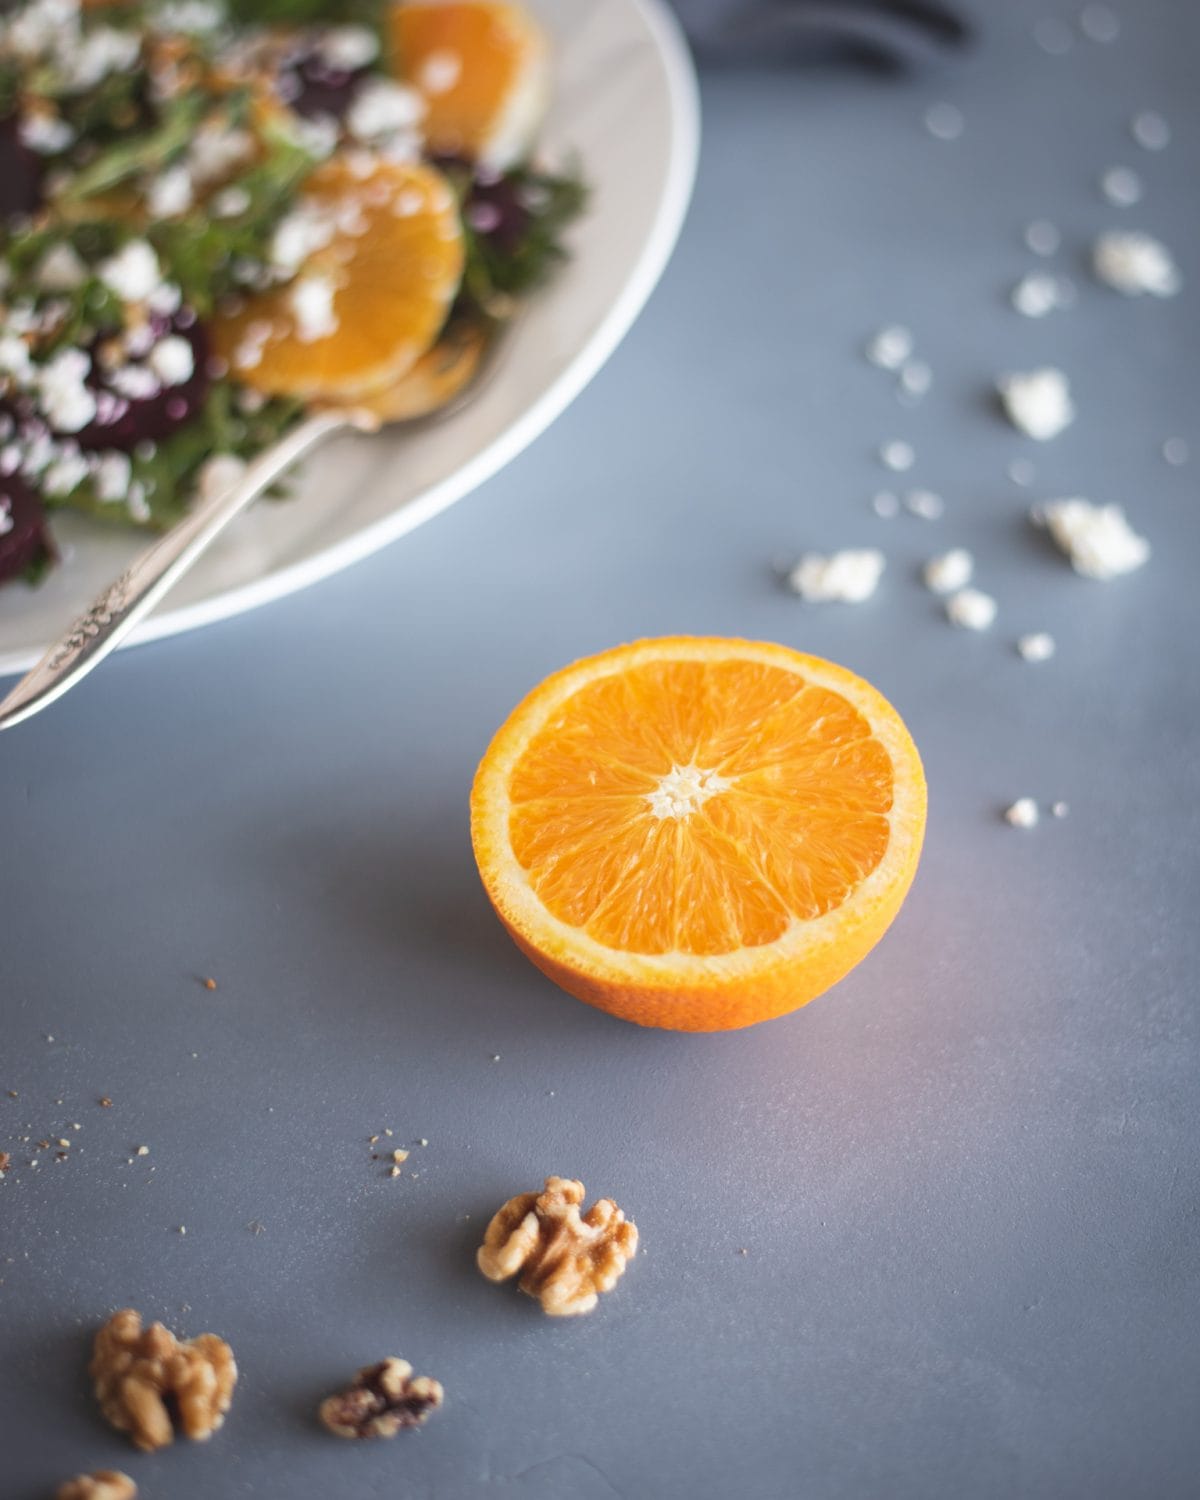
<point>492,45</point>
<point>798,819</point>
<point>395,272</point>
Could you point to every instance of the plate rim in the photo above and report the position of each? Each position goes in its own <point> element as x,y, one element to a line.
<point>683,100</point>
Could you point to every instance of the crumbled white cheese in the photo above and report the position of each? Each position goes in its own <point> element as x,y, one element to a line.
<point>40,27</point>
<point>230,202</point>
<point>1099,24</point>
<point>135,382</point>
<point>1134,263</point>
<point>45,134</point>
<point>382,107</point>
<point>216,150</point>
<point>318,135</point>
<point>219,474</point>
<point>915,378</point>
<point>98,53</point>
<point>311,300</point>
<point>897,455</point>
<point>165,299</point>
<point>1038,403</point>
<point>1097,539</point>
<point>348,48</point>
<point>189,17</point>
<point>1037,294</point>
<point>67,471</point>
<point>884,503</point>
<point>1021,472</point>
<point>1023,813</point>
<point>944,122</point>
<point>133,272</point>
<point>1121,186</point>
<point>439,71</point>
<point>846,577</point>
<point>137,506</point>
<point>170,193</point>
<point>14,358</point>
<point>172,360</point>
<point>1150,130</point>
<point>112,475</point>
<point>925,504</point>
<point>949,572</point>
<point>1042,237</point>
<point>1037,646</point>
<point>1060,809</point>
<point>298,235</point>
<point>61,269</point>
<point>890,347</point>
<point>971,609</point>
<point>67,402</point>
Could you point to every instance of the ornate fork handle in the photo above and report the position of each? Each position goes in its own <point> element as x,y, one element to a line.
<point>151,574</point>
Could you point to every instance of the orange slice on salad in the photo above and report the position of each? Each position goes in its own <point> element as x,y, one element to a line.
<point>384,260</point>
<point>437,377</point>
<point>699,833</point>
<point>482,67</point>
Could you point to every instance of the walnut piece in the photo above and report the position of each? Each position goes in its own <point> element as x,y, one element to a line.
<point>381,1400</point>
<point>566,1259</point>
<point>104,1484</point>
<point>137,1372</point>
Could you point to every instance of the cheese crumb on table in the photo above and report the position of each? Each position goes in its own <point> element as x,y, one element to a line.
<point>971,609</point>
<point>1060,809</point>
<point>1038,403</point>
<point>1037,294</point>
<point>1150,130</point>
<point>897,455</point>
<point>949,572</point>
<point>1023,813</point>
<point>1097,539</point>
<point>915,379</point>
<point>1176,452</point>
<point>884,503</point>
<point>1039,645</point>
<point>847,577</point>
<point>890,347</point>
<point>1134,263</point>
<point>944,121</point>
<point>925,504</point>
<point>1121,186</point>
<point>1042,237</point>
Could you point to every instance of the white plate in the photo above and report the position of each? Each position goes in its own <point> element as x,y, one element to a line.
<point>625,103</point>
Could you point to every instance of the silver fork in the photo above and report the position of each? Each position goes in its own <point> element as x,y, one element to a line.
<point>118,609</point>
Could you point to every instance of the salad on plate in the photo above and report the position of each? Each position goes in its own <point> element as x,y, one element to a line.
<point>218,214</point>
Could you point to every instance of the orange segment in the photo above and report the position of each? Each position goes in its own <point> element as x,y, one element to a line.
<point>369,300</point>
<point>441,374</point>
<point>699,833</point>
<point>482,67</point>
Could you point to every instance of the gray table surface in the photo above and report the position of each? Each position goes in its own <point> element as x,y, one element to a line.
<point>966,1182</point>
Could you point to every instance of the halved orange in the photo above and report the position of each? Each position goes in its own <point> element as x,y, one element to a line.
<point>383,280</point>
<point>699,833</point>
<point>482,67</point>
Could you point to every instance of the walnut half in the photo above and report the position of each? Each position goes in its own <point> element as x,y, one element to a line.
<point>381,1400</point>
<point>104,1484</point>
<point>566,1259</point>
<point>142,1375</point>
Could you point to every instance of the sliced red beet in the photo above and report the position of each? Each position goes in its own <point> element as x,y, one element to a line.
<point>122,422</point>
<point>24,536</point>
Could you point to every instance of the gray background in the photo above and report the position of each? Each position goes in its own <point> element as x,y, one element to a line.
<point>966,1182</point>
